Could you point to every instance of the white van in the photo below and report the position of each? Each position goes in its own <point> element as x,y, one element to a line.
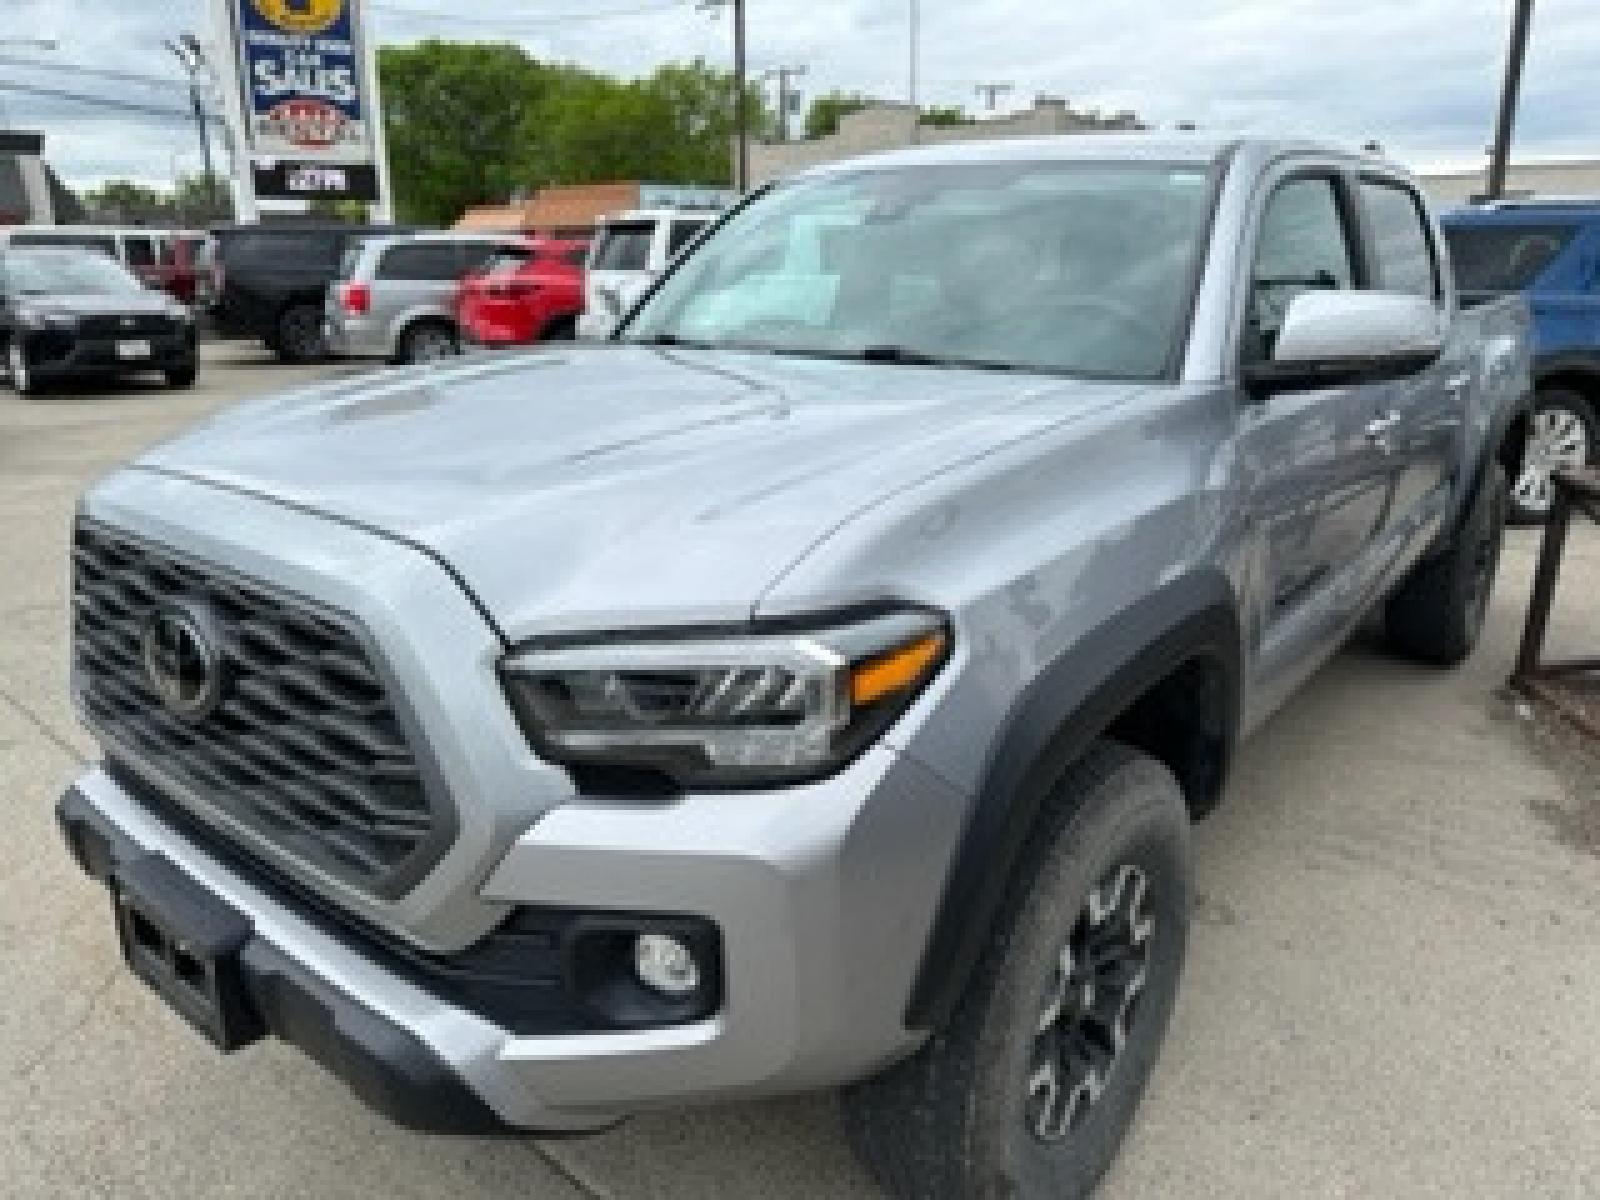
<point>628,252</point>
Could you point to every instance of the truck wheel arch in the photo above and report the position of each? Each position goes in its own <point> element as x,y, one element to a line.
<point>1181,641</point>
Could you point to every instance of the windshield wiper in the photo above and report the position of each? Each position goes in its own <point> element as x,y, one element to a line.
<point>904,356</point>
<point>669,339</point>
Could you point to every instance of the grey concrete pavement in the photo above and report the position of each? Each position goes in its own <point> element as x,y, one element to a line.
<point>1393,987</point>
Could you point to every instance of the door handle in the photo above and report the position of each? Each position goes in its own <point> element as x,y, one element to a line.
<point>1379,429</point>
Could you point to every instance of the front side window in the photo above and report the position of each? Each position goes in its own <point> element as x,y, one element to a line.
<point>1071,267</point>
<point>683,232</point>
<point>1400,239</point>
<point>625,248</point>
<point>1303,246</point>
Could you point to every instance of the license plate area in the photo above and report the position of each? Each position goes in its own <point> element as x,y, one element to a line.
<point>133,349</point>
<point>184,943</point>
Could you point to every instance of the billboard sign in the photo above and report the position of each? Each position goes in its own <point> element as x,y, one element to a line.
<point>303,79</point>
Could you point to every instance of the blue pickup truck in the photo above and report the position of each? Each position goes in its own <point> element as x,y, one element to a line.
<point>1548,250</point>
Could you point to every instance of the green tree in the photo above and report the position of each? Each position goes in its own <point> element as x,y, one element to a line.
<point>454,112</point>
<point>200,198</point>
<point>123,199</point>
<point>823,117</point>
<point>952,114</point>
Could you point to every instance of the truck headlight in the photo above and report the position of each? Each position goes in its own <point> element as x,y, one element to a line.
<point>726,711</point>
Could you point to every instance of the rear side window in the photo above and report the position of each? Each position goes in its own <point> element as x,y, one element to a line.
<point>625,248</point>
<point>282,250</point>
<point>1400,239</point>
<point>1505,258</point>
<point>106,245</point>
<point>683,232</point>
<point>432,261</point>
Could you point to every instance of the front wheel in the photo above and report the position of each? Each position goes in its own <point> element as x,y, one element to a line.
<point>1563,432</point>
<point>1029,1089</point>
<point>182,377</point>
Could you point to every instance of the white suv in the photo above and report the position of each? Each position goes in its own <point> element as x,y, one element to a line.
<point>628,252</point>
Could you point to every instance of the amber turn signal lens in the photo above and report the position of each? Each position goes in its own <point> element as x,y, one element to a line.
<point>896,671</point>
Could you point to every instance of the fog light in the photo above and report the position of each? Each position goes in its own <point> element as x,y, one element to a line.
<point>665,964</point>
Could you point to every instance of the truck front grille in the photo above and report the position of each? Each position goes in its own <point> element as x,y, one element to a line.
<point>300,748</point>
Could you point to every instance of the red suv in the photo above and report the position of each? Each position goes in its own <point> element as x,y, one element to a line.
<point>525,296</point>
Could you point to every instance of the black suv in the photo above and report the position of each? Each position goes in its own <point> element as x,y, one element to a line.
<point>270,282</point>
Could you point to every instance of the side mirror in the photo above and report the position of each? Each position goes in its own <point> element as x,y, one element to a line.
<point>1340,338</point>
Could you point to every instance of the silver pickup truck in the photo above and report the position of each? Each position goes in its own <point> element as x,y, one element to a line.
<point>813,686</point>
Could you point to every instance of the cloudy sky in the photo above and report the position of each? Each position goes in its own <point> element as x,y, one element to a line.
<point>1421,76</point>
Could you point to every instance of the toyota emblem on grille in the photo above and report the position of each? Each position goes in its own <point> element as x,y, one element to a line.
<point>129,322</point>
<point>182,661</point>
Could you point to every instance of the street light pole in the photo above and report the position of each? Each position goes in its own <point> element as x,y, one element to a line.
<point>187,51</point>
<point>1510,92</point>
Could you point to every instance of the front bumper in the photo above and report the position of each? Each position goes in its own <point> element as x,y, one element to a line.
<point>53,355</point>
<point>822,902</point>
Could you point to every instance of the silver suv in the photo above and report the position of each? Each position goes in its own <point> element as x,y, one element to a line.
<point>814,685</point>
<point>395,297</point>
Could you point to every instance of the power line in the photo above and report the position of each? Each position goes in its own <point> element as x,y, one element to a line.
<point>149,110</point>
<point>33,64</point>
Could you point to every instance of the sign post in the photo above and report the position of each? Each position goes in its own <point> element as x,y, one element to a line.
<point>299,79</point>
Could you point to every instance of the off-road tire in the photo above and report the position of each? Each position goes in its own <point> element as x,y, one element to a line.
<point>1438,613</point>
<point>950,1123</point>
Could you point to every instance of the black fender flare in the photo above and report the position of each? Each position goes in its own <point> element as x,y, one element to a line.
<point>1059,715</point>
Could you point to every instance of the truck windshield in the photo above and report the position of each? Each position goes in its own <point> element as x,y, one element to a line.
<point>1077,268</point>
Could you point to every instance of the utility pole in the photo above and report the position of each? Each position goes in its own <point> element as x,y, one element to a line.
<point>187,51</point>
<point>741,101</point>
<point>1517,55</point>
<point>916,54</point>
<point>785,94</point>
<point>991,92</point>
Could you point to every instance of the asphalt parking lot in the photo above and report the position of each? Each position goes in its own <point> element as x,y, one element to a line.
<point>1393,987</point>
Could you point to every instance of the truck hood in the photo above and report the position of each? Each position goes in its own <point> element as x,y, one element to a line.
<point>603,487</point>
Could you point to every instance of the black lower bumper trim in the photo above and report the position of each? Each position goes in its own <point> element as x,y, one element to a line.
<point>389,1068</point>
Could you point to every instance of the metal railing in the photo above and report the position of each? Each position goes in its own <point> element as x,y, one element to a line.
<point>1576,490</point>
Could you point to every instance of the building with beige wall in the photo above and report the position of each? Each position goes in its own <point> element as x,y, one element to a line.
<point>1554,177</point>
<point>891,126</point>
